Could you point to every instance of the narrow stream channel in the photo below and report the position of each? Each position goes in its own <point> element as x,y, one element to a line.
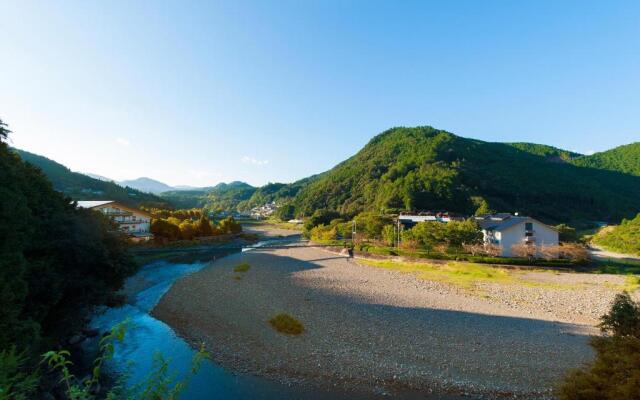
<point>148,336</point>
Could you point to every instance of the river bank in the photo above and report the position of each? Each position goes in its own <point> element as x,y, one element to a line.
<point>382,330</point>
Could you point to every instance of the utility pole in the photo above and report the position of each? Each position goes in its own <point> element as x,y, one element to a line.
<point>353,231</point>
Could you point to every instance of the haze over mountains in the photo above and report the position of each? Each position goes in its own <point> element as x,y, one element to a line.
<point>424,168</point>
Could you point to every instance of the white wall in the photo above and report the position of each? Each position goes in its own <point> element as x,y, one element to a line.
<point>544,236</point>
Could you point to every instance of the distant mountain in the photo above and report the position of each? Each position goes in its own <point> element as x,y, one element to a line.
<point>227,196</point>
<point>223,196</point>
<point>429,169</point>
<point>622,159</point>
<point>99,177</point>
<point>82,187</point>
<point>147,185</point>
<point>278,192</point>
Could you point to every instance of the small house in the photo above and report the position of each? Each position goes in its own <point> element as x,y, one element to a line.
<point>507,230</point>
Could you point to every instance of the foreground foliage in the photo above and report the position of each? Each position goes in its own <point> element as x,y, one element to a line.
<point>159,384</point>
<point>615,373</point>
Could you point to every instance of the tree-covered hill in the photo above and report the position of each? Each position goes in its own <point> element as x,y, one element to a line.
<point>429,169</point>
<point>278,192</point>
<point>622,159</point>
<point>82,187</point>
<point>227,196</point>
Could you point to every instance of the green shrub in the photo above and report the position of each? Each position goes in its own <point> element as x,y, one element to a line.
<point>615,372</point>
<point>244,267</point>
<point>624,317</point>
<point>285,323</point>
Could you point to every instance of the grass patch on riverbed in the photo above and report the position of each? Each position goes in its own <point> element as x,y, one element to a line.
<point>244,267</point>
<point>466,275</point>
<point>285,323</point>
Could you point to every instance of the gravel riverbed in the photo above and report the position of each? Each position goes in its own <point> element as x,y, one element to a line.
<point>385,331</point>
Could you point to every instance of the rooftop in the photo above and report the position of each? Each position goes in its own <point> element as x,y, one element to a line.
<point>93,203</point>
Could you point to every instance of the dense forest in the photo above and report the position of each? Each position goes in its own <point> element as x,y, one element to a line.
<point>55,260</point>
<point>428,169</point>
<point>624,238</point>
<point>82,187</point>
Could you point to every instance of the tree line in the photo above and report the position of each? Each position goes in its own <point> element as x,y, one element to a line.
<point>188,224</point>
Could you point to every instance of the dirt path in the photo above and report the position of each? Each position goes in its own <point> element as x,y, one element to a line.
<point>602,254</point>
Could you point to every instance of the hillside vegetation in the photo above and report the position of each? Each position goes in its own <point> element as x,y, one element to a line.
<point>429,169</point>
<point>622,159</point>
<point>549,152</point>
<point>624,238</point>
<point>55,260</point>
<point>82,187</point>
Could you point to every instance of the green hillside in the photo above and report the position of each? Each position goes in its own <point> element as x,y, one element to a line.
<point>82,187</point>
<point>278,192</point>
<point>624,238</point>
<point>195,198</point>
<point>549,152</point>
<point>622,159</point>
<point>428,169</point>
<point>227,196</point>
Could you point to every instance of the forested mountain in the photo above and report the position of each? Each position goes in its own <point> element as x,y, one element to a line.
<point>428,169</point>
<point>55,260</point>
<point>622,159</point>
<point>82,187</point>
<point>147,185</point>
<point>227,196</point>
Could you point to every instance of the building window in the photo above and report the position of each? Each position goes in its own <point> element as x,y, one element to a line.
<point>528,226</point>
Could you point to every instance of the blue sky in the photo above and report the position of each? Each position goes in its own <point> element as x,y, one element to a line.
<point>202,92</point>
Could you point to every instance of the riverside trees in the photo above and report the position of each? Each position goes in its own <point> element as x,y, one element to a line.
<point>55,260</point>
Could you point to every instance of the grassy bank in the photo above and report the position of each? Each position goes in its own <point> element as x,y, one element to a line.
<point>466,275</point>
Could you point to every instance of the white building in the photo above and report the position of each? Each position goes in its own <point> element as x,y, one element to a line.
<point>506,230</point>
<point>132,221</point>
<point>410,220</point>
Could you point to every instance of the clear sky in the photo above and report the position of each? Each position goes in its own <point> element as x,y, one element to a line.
<point>201,92</point>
